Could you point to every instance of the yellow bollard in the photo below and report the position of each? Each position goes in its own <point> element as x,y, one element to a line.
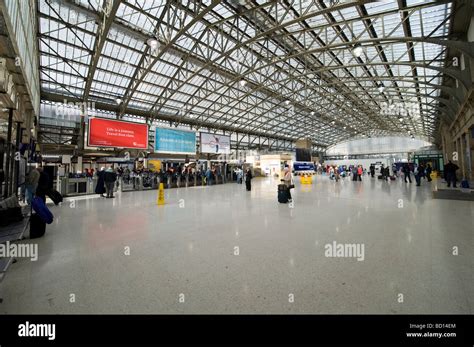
<point>161,195</point>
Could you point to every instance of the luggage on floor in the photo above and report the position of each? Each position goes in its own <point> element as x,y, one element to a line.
<point>283,196</point>
<point>380,177</point>
<point>42,210</point>
<point>392,178</point>
<point>55,196</point>
<point>37,226</point>
<point>465,184</point>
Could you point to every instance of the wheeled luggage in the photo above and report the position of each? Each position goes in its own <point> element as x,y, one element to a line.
<point>392,178</point>
<point>37,226</point>
<point>380,177</point>
<point>55,196</point>
<point>283,195</point>
<point>42,210</point>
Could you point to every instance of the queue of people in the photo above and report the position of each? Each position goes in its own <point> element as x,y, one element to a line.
<point>405,171</point>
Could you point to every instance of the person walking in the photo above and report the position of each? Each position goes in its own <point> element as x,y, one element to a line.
<point>248,180</point>
<point>109,178</point>
<point>100,186</point>
<point>43,184</point>
<point>287,180</point>
<point>382,172</point>
<point>240,174</point>
<point>354,173</point>
<point>406,172</point>
<point>420,170</point>
<point>372,170</point>
<point>31,183</point>
<point>450,173</point>
<point>359,173</point>
<point>428,171</point>
<point>209,176</point>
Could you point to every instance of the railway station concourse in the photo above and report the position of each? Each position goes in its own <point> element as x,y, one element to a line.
<point>236,157</point>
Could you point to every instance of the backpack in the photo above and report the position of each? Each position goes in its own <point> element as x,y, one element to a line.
<point>42,210</point>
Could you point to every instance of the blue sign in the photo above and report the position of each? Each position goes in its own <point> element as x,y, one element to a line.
<point>175,141</point>
<point>303,166</point>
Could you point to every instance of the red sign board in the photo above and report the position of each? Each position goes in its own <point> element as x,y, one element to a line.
<point>114,133</point>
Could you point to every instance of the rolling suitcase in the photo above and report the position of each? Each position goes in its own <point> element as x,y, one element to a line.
<point>392,178</point>
<point>55,196</point>
<point>37,226</point>
<point>282,194</point>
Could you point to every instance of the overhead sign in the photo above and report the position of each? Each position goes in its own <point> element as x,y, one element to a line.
<point>114,133</point>
<point>303,166</point>
<point>217,144</point>
<point>175,141</point>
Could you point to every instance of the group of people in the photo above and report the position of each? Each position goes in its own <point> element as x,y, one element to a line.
<point>420,171</point>
<point>106,179</point>
<point>335,172</point>
<point>240,175</point>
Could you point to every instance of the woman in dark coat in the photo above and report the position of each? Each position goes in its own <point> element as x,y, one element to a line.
<point>248,179</point>
<point>100,187</point>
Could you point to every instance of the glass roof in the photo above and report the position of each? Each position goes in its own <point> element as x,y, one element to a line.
<point>273,68</point>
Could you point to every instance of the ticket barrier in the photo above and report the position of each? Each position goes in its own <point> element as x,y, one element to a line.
<point>77,186</point>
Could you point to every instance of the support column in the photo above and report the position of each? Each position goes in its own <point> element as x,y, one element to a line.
<point>16,156</point>
<point>80,140</point>
<point>6,193</point>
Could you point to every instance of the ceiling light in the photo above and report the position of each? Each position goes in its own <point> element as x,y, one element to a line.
<point>400,119</point>
<point>118,101</point>
<point>357,50</point>
<point>312,113</point>
<point>152,42</point>
<point>381,88</point>
<point>287,102</point>
<point>243,82</point>
<point>345,128</point>
<point>333,122</point>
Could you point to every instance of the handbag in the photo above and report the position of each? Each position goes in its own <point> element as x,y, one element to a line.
<point>292,185</point>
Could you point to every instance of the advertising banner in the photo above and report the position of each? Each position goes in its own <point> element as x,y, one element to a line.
<point>114,133</point>
<point>217,144</point>
<point>175,141</point>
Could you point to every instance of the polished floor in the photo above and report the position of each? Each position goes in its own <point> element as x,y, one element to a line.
<point>222,249</point>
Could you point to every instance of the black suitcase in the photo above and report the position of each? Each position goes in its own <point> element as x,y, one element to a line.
<point>55,196</point>
<point>283,195</point>
<point>37,226</point>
